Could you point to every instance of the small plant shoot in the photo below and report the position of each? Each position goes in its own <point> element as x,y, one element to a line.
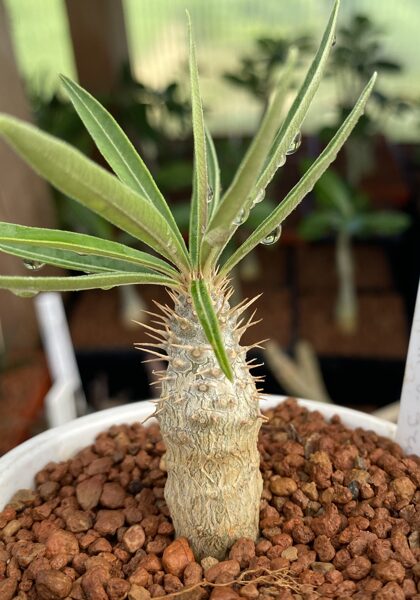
<point>208,411</point>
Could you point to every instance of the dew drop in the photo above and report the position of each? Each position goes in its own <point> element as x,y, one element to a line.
<point>281,161</point>
<point>210,194</point>
<point>295,145</point>
<point>33,265</point>
<point>106,287</point>
<point>241,217</point>
<point>24,293</point>
<point>259,197</point>
<point>272,237</point>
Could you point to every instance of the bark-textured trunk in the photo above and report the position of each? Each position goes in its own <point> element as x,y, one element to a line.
<point>210,428</point>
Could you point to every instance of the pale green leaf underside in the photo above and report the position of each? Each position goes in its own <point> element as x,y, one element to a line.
<point>206,314</point>
<point>213,172</point>
<point>76,249</point>
<point>304,186</point>
<point>81,179</point>
<point>198,213</point>
<point>117,149</point>
<point>239,195</point>
<point>103,281</point>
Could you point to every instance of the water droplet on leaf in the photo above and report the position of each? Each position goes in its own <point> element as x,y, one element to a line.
<point>295,145</point>
<point>272,237</point>
<point>259,197</point>
<point>210,194</point>
<point>24,293</point>
<point>33,265</point>
<point>241,217</point>
<point>281,161</point>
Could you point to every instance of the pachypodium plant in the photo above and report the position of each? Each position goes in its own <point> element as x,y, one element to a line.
<point>346,214</point>
<point>208,411</point>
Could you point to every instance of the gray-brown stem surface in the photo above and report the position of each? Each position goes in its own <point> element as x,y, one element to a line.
<point>210,428</point>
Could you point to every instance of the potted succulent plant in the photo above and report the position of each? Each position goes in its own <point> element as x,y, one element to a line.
<point>208,412</point>
<point>201,467</point>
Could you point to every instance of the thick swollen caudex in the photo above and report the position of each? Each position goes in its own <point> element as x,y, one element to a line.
<point>210,427</point>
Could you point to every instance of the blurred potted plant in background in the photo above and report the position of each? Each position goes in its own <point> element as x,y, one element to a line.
<point>345,213</point>
<point>258,72</point>
<point>359,51</point>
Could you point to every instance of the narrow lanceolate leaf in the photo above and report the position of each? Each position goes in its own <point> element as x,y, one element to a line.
<point>241,193</point>
<point>78,177</point>
<point>221,229</point>
<point>300,106</point>
<point>29,286</point>
<point>68,260</point>
<point>213,173</point>
<point>304,186</point>
<point>206,314</point>
<point>117,149</point>
<point>76,249</point>
<point>198,214</point>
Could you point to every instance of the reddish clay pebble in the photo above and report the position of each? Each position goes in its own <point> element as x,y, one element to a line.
<point>53,585</point>
<point>177,556</point>
<point>282,486</point>
<point>133,538</point>
<point>88,492</point>
<point>193,573</point>
<point>340,513</point>
<point>62,542</point>
<point>391,591</point>
<point>108,521</point>
<point>358,568</point>
<point>112,495</point>
<point>78,521</point>
<point>138,592</point>
<point>225,567</point>
<point>7,588</point>
<point>390,570</point>
<point>224,593</point>
<point>243,550</point>
<point>117,588</point>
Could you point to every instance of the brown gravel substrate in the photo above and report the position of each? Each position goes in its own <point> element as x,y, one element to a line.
<point>340,514</point>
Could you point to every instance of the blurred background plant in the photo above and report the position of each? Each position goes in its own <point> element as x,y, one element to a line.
<point>360,51</point>
<point>343,213</point>
<point>258,72</point>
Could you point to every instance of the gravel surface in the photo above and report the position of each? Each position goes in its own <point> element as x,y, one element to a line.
<point>340,518</point>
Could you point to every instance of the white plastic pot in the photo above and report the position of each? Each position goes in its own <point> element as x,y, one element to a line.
<point>19,466</point>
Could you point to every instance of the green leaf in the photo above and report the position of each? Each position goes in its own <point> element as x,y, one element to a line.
<point>333,193</point>
<point>301,104</point>
<point>223,225</point>
<point>207,316</point>
<point>305,185</point>
<point>76,250</point>
<point>213,171</point>
<point>198,214</point>
<point>30,286</point>
<point>317,225</point>
<point>384,222</point>
<point>241,192</point>
<point>117,149</point>
<point>81,179</point>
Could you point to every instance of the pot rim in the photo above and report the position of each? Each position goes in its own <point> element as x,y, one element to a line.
<point>60,443</point>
